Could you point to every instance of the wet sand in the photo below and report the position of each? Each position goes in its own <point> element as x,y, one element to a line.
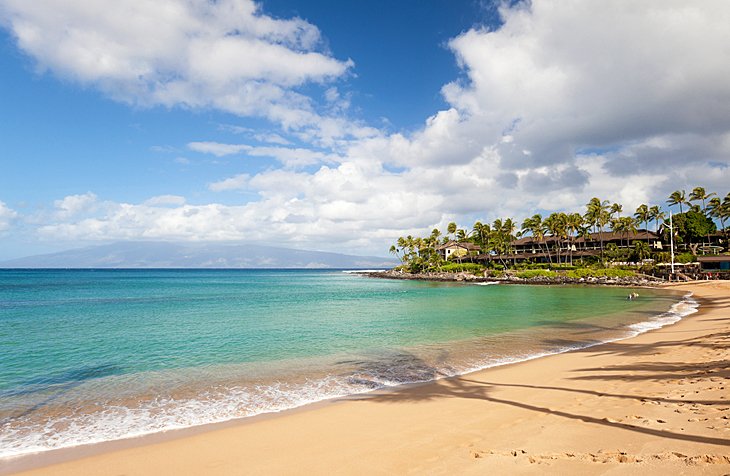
<point>658,403</point>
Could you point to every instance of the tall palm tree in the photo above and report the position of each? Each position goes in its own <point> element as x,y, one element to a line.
<point>536,228</point>
<point>394,251</point>
<point>677,198</point>
<point>597,215</point>
<point>509,229</point>
<point>451,228</point>
<point>480,232</point>
<point>557,227</point>
<point>573,224</point>
<point>616,209</point>
<point>623,226</point>
<point>502,236</point>
<point>655,214</point>
<point>699,193</point>
<point>717,209</point>
<point>642,215</point>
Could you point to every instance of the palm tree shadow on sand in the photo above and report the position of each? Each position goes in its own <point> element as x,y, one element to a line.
<point>470,388</point>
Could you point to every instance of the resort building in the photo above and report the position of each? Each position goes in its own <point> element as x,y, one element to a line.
<point>714,263</point>
<point>453,249</point>
<point>550,249</point>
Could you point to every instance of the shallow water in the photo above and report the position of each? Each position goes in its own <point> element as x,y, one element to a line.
<point>97,355</point>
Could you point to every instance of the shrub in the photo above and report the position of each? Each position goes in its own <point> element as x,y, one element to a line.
<point>459,267</point>
<point>685,258</point>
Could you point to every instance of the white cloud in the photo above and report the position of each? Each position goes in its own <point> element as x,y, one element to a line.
<point>165,200</point>
<point>565,75</point>
<point>225,55</point>
<point>289,157</point>
<point>236,182</point>
<point>218,149</point>
<point>568,100</point>
<point>73,205</point>
<point>7,216</point>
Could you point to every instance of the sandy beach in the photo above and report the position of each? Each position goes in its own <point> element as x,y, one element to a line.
<point>658,403</point>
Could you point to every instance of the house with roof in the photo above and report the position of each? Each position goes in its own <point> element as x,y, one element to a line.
<point>453,249</point>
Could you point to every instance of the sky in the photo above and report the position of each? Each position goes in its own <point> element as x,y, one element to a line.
<point>340,126</point>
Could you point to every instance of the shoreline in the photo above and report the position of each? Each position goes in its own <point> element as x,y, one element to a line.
<point>81,457</point>
<point>574,343</point>
<point>641,280</point>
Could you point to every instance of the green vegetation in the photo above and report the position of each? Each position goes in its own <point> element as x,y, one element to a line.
<point>558,236</point>
<point>685,258</point>
<point>474,268</point>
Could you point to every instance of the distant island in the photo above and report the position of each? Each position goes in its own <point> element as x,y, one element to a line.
<point>598,243</point>
<point>144,254</point>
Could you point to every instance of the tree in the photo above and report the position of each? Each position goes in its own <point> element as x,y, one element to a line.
<point>555,225</point>
<point>573,224</point>
<point>394,251</point>
<point>536,228</point>
<point>691,226</point>
<point>718,210</point>
<point>677,198</point>
<point>597,215</point>
<point>698,193</point>
<point>502,236</point>
<point>655,214</point>
<point>451,228</point>
<point>642,215</point>
<point>480,232</point>
<point>641,250</point>
<point>624,226</point>
<point>616,209</point>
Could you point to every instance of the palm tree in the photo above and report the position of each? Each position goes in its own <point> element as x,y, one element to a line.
<point>677,198</point>
<point>716,210</point>
<point>597,215</point>
<point>536,228</point>
<point>573,224</point>
<point>555,224</point>
<point>394,251</point>
<point>451,228</point>
<point>481,232</point>
<point>616,208</point>
<point>698,193</point>
<point>642,215</point>
<point>655,214</point>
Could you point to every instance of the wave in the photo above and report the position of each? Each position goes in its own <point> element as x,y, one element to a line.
<point>29,434</point>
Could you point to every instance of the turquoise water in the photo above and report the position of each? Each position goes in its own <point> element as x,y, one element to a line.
<point>94,355</point>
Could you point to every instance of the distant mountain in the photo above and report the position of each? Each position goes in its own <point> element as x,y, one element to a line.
<point>194,255</point>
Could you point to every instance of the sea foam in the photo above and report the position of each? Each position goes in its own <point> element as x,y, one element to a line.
<point>28,434</point>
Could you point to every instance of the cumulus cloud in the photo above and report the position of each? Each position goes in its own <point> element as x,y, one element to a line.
<point>566,75</point>
<point>7,216</point>
<point>73,205</point>
<point>225,55</point>
<point>567,100</point>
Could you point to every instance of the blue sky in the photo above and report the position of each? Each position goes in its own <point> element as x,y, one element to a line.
<point>340,126</point>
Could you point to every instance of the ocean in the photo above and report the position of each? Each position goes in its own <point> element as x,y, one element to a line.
<point>96,355</point>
